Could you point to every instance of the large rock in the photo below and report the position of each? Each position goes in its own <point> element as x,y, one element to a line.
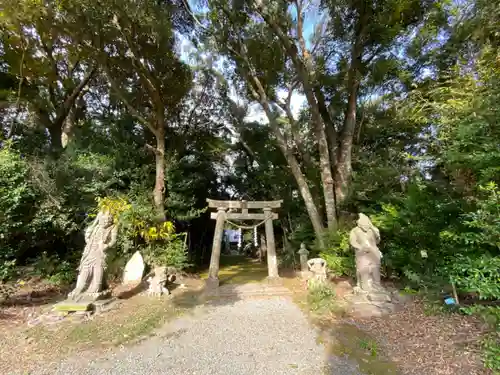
<point>134,270</point>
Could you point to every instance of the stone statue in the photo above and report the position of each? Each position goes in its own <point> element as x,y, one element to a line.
<point>317,267</point>
<point>99,236</point>
<point>364,238</point>
<point>157,282</point>
<point>304,267</point>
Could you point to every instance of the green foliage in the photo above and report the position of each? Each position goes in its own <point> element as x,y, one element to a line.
<point>490,343</point>
<point>338,253</point>
<point>170,253</point>
<point>321,299</point>
<point>369,345</point>
<point>410,227</point>
<point>483,223</point>
<point>477,275</point>
<point>490,314</point>
<point>288,258</point>
<point>140,230</point>
<point>54,269</point>
<point>7,269</point>
<point>491,352</point>
<point>17,199</point>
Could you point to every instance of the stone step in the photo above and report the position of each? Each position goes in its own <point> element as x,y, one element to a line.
<point>250,290</point>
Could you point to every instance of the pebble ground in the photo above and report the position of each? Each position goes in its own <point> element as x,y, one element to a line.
<point>269,336</point>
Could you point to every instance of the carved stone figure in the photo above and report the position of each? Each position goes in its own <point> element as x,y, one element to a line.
<point>157,282</point>
<point>303,253</point>
<point>304,266</point>
<point>262,251</point>
<point>317,266</point>
<point>364,238</point>
<point>99,236</point>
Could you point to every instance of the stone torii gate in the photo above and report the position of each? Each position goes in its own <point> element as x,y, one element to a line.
<point>225,211</point>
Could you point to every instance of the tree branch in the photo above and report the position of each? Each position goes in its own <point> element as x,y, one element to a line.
<point>148,147</point>
<point>70,99</point>
<point>117,90</point>
<point>143,70</point>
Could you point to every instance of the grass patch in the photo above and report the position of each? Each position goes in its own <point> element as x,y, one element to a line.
<point>237,269</point>
<point>344,339</point>
<point>138,317</point>
<point>321,300</point>
<point>369,345</point>
<point>134,319</point>
<point>348,340</point>
<point>490,343</point>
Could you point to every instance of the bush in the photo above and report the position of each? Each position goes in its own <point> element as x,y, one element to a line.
<point>43,203</point>
<point>321,299</point>
<point>171,252</point>
<point>478,275</point>
<point>491,343</point>
<point>140,230</point>
<point>55,269</point>
<point>338,253</point>
<point>17,207</point>
<point>7,269</point>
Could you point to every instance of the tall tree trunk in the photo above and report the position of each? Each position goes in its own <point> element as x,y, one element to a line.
<point>159,189</point>
<point>305,192</point>
<point>259,94</point>
<point>55,132</point>
<point>304,68</point>
<point>343,170</point>
<point>326,177</point>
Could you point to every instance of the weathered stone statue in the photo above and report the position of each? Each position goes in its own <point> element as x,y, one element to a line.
<point>157,282</point>
<point>304,267</point>
<point>99,236</point>
<point>364,238</point>
<point>317,267</point>
<point>370,298</point>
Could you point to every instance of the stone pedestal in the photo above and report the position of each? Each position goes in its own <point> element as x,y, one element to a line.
<point>212,283</point>
<point>370,304</point>
<point>274,281</point>
<point>97,304</point>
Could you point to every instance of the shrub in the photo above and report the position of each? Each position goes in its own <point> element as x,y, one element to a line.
<point>321,299</point>
<point>171,252</point>
<point>491,343</point>
<point>338,253</point>
<point>140,230</point>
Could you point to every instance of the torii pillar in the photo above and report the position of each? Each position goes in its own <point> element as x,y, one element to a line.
<point>221,215</point>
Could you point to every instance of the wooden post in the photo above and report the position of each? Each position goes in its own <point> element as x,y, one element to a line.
<point>272,261</point>
<point>213,273</point>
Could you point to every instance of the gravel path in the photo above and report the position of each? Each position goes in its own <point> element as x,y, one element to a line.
<point>268,336</point>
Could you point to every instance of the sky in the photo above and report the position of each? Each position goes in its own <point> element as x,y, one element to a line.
<point>256,114</point>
